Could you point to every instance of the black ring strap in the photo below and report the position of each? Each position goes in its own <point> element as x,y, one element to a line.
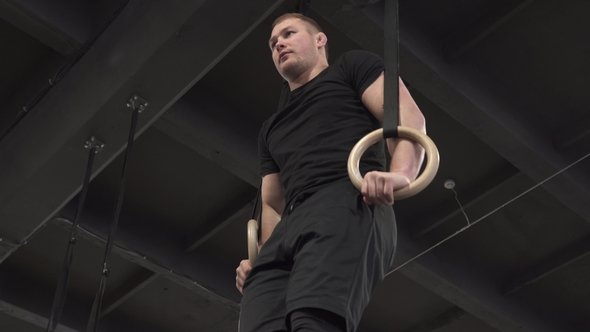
<point>391,59</point>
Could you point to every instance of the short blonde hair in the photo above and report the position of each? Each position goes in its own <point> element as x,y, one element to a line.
<point>309,21</point>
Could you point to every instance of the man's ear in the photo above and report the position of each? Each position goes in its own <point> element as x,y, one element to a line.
<point>321,39</point>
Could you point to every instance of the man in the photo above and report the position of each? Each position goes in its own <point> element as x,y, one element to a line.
<point>324,246</point>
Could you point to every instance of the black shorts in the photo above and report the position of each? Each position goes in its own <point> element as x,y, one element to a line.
<point>328,252</point>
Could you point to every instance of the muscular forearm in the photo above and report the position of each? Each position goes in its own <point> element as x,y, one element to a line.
<point>379,187</point>
<point>406,157</point>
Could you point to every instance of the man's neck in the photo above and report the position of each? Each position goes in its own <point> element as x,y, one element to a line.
<point>307,76</point>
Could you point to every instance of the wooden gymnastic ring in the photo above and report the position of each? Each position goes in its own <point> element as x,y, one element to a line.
<point>432,160</point>
<point>252,241</point>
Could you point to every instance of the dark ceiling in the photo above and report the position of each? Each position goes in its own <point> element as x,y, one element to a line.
<point>504,88</point>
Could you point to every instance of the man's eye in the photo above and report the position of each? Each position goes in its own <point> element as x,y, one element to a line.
<point>289,33</point>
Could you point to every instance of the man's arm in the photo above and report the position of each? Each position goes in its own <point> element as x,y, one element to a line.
<point>406,155</point>
<point>273,204</point>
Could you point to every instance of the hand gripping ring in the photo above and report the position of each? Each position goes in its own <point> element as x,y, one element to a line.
<point>252,241</point>
<point>432,160</point>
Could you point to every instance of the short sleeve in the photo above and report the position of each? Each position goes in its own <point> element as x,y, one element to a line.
<point>267,163</point>
<point>362,68</point>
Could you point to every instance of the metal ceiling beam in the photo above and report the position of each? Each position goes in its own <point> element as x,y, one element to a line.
<point>448,274</point>
<point>204,233</point>
<point>29,298</point>
<point>147,259</point>
<point>155,49</point>
<point>129,288</point>
<point>547,266</point>
<point>577,130</point>
<point>441,321</point>
<point>30,317</point>
<point>461,41</point>
<point>63,27</point>
<point>192,127</point>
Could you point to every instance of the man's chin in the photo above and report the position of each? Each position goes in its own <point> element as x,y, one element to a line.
<point>288,70</point>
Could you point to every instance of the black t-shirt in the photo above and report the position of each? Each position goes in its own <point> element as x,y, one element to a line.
<point>308,142</point>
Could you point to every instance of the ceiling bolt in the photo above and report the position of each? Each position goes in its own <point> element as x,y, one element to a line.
<point>449,184</point>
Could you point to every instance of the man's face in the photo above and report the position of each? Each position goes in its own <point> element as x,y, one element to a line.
<point>293,47</point>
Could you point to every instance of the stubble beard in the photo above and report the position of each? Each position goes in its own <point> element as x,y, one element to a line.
<point>291,69</point>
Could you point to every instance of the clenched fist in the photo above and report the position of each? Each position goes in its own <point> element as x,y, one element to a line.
<point>241,274</point>
<point>378,186</point>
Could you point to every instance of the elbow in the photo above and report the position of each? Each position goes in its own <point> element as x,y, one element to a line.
<point>412,117</point>
<point>418,121</point>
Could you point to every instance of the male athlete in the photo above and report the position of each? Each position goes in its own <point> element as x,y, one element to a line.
<point>324,245</point>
